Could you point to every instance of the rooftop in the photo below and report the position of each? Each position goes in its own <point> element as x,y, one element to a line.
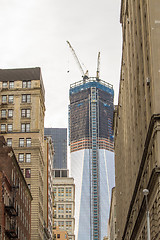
<point>91,82</point>
<point>20,74</point>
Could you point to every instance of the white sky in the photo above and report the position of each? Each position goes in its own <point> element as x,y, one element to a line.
<point>34,33</point>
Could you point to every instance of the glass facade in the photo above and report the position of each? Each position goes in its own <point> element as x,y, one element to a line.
<point>59,138</point>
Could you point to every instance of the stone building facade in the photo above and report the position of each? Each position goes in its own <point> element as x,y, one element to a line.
<point>137,121</point>
<point>48,185</point>
<point>15,197</point>
<point>112,223</point>
<point>64,193</point>
<point>60,234</point>
<point>22,124</point>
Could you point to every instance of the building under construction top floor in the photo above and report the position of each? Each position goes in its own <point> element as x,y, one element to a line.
<point>80,114</point>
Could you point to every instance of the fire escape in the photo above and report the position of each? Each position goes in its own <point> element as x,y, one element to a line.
<point>11,213</point>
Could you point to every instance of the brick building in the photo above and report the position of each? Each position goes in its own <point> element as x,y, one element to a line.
<point>15,197</point>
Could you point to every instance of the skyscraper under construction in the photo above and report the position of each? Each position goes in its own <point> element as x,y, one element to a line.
<point>92,159</point>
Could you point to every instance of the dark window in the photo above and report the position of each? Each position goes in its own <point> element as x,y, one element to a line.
<point>27,172</point>
<point>58,235</point>
<point>57,173</point>
<point>64,173</point>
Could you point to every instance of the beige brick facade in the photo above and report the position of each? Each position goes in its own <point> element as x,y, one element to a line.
<point>64,192</point>
<point>137,121</point>
<point>48,185</point>
<point>22,124</point>
<point>112,223</point>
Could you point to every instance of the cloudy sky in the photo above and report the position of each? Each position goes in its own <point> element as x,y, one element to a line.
<point>34,34</point>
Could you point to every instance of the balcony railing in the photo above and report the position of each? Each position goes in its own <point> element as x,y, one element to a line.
<point>12,232</point>
<point>10,209</point>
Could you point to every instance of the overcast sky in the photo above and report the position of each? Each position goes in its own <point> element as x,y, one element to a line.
<point>34,34</point>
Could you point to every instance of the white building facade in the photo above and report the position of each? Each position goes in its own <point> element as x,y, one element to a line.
<point>92,158</point>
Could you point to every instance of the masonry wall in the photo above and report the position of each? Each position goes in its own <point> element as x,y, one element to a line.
<point>25,87</point>
<point>137,160</point>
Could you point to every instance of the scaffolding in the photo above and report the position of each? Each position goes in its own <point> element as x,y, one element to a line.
<point>94,171</point>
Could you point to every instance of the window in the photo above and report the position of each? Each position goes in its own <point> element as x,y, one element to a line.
<point>26,113</point>
<point>26,98</point>
<point>9,142</point>
<point>4,99</point>
<point>28,157</point>
<point>68,191</point>
<point>68,208</point>
<point>4,84</point>
<point>29,186</point>
<point>61,224</point>
<point>60,191</point>
<point>28,173</point>
<point>21,142</point>
<point>25,127</point>
<point>58,235</point>
<point>28,142</point>
<point>10,127</point>
<point>11,84</point>
<point>10,113</point>
<point>21,157</point>
<point>10,98</point>
<point>68,225</point>
<point>26,84</point>
<point>3,113</point>
<point>3,127</point>
<point>61,208</point>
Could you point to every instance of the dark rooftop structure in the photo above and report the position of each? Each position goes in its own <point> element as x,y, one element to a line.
<point>20,74</point>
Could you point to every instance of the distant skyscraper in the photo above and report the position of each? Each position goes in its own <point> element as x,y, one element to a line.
<point>92,159</point>
<point>59,138</point>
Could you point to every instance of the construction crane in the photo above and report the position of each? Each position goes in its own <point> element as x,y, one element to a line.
<point>84,75</point>
<point>98,67</point>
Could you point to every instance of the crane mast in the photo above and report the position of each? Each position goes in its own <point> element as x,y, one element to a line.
<point>98,67</point>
